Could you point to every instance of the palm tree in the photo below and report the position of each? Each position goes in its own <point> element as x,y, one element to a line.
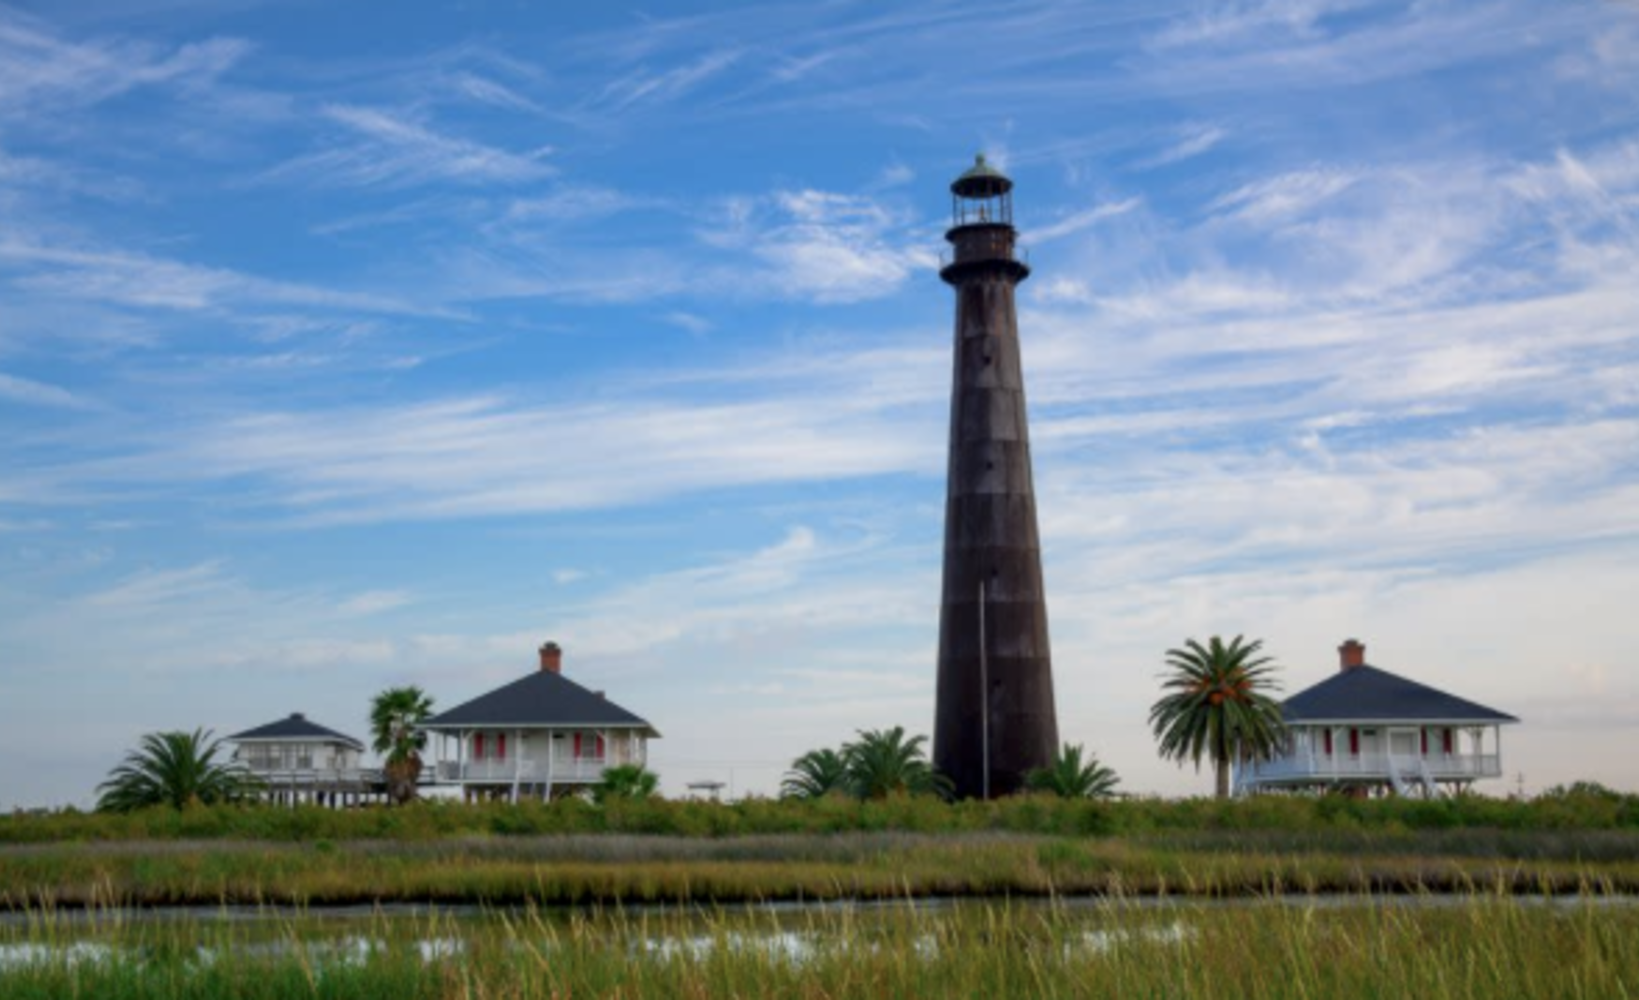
<point>1217,706</point>
<point>1069,778</point>
<point>815,774</point>
<point>174,769</point>
<point>625,781</point>
<point>394,715</point>
<point>883,762</point>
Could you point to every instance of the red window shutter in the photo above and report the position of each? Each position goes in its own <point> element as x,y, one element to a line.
<point>1328,742</point>
<point>1425,743</point>
<point>1445,741</point>
<point>478,746</point>
<point>1354,743</point>
<point>600,746</point>
<point>577,746</point>
<point>500,746</point>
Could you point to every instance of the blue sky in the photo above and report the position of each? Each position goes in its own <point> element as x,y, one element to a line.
<point>341,349</point>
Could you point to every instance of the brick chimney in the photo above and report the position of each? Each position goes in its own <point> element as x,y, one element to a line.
<point>552,658</point>
<point>1352,654</point>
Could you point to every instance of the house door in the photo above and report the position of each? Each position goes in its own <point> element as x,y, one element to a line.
<point>1402,743</point>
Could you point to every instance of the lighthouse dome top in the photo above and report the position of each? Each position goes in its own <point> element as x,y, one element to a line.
<point>981,181</point>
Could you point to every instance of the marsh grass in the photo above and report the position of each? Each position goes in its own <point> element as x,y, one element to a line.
<point>1479,946</point>
<point>643,852</point>
<point>614,869</point>
<point>1571,812</point>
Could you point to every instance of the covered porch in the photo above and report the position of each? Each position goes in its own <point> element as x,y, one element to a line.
<point>530,761</point>
<point>1407,757</point>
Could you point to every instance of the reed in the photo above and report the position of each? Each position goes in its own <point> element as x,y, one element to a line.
<point>1479,946</point>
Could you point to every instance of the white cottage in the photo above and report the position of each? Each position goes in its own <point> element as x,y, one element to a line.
<point>539,735</point>
<point>1365,729</point>
<point>298,760</point>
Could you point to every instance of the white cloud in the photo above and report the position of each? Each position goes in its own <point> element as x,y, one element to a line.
<point>1276,45</point>
<point>821,245</point>
<point>144,591</point>
<point>643,86</point>
<point>689,321</point>
<point>40,72</point>
<point>374,602</point>
<point>136,279</point>
<point>1284,197</point>
<point>1255,21</point>
<point>483,455</point>
<point>28,391</point>
<point>491,92</point>
<point>1078,221</point>
<point>400,151</point>
<point>572,204</point>
<point>1192,141</point>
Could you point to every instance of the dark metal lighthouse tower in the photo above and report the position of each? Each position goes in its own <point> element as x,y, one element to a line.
<point>995,719</point>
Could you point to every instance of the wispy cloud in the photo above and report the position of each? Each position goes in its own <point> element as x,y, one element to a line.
<point>1284,197</point>
<point>643,86</point>
<point>146,590</point>
<point>40,71</point>
<point>688,321</point>
<point>1278,44</point>
<point>475,456</point>
<point>822,245</point>
<point>1075,222</point>
<point>573,204</point>
<point>374,602</point>
<point>141,280</point>
<point>397,150</point>
<point>491,92</point>
<point>1192,141</point>
<point>23,390</point>
<point>1252,21</point>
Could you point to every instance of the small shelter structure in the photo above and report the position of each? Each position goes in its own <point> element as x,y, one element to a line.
<point>538,736</point>
<point>1366,730</point>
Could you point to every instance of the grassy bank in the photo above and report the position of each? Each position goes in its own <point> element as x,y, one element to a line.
<point>1575,810</point>
<point>1480,948</point>
<point>644,869</point>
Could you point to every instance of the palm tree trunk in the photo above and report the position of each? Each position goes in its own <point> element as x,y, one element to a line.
<point>1222,766</point>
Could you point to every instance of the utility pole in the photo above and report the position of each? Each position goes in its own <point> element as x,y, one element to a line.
<point>984,693</point>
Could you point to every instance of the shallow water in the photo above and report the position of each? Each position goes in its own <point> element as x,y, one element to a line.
<point>780,932</point>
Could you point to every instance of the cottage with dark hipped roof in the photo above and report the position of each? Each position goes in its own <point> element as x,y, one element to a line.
<point>1364,729</point>
<point>538,736</point>
<point>298,760</point>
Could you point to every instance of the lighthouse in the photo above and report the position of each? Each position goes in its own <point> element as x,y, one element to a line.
<point>995,719</point>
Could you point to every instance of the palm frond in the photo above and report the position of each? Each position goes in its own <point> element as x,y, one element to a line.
<point>1216,704</point>
<point>174,769</point>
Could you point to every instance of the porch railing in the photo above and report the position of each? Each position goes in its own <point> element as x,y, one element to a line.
<point>565,767</point>
<point>1441,767</point>
<point>316,775</point>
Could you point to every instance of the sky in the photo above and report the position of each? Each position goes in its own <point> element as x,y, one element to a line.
<point>345,346</point>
